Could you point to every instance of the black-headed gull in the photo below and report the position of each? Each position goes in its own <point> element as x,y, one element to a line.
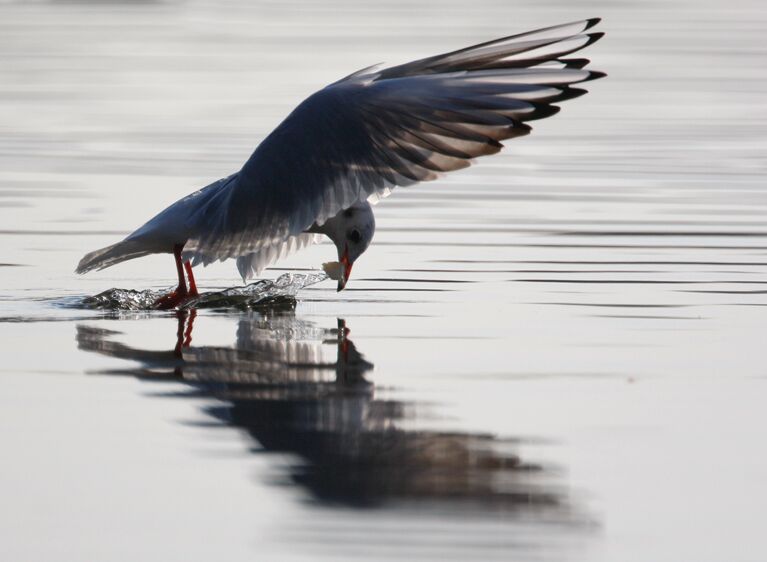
<point>350,143</point>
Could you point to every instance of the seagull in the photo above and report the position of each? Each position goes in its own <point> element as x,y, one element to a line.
<point>349,144</point>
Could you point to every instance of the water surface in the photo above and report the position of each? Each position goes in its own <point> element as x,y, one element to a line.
<point>556,354</point>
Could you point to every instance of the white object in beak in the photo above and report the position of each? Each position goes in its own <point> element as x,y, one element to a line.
<point>334,270</point>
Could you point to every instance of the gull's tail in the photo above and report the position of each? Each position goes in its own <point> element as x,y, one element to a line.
<point>116,253</point>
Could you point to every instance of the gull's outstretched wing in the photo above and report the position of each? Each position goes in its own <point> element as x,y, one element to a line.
<point>376,129</point>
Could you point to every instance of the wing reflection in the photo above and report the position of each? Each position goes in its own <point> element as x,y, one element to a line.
<point>299,388</point>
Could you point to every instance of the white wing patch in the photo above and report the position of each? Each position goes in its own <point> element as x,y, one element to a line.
<point>251,265</point>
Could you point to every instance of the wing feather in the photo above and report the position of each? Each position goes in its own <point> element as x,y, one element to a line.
<point>250,265</point>
<point>360,137</point>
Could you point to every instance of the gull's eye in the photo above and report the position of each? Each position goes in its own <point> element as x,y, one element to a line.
<point>354,236</point>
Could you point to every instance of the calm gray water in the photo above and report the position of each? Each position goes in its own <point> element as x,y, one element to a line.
<point>557,354</point>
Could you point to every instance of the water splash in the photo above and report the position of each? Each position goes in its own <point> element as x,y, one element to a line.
<point>280,293</point>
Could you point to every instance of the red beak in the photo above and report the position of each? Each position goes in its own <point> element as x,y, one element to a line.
<point>347,269</point>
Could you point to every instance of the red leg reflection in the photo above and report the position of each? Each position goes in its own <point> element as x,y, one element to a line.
<point>343,343</point>
<point>184,333</point>
<point>181,318</point>
<point>189,327</point>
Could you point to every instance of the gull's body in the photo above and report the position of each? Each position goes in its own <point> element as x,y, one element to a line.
<point>355,140</point>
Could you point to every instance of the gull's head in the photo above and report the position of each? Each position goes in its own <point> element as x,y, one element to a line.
<point>351,231</point>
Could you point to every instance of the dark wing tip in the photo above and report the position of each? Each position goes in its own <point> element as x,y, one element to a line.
<point>542,112</point>
<point>569,94</point>
<point>593,38</point>
<point>519,129</point>
<point>591,22</point>
<point>594,75</point>
<point>575,63</point>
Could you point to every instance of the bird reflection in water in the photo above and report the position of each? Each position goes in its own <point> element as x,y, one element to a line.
<point>351,448</point>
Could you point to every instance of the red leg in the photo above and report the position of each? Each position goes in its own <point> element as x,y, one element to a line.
<point>175,298</point>
<point>179,269</point>
<point>192,285</point>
